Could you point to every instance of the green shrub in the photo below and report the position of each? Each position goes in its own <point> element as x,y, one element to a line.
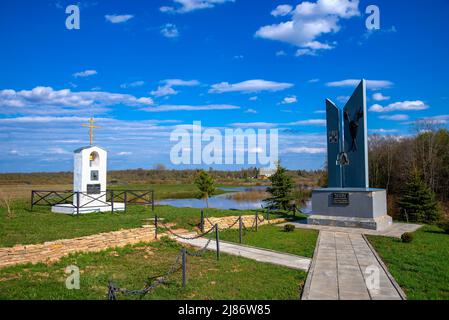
<point>444,225</point>
<point>407,237</point>
<point>418,202</point>
<point>289,228</point>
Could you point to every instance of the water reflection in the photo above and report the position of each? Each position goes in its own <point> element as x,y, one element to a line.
<point>242,198</point>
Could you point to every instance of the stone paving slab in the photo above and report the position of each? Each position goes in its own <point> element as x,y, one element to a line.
<point>395,231</point>
<point>342,266</point>
<point>257,254</point>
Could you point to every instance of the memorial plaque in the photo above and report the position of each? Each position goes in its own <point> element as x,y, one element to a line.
<point>340,198</point>
<point>93,188</point>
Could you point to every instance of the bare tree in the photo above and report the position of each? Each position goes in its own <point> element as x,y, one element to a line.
<point>5,199</point>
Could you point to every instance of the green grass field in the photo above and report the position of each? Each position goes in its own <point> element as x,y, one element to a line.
<point>165,191</point>
<point>230,278</point>
<point>421,267</point>
<point>26,227</point>
<point>299,242</point>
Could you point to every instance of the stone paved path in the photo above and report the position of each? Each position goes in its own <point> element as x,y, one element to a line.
<point>339,270</point>
<point>258,254</point>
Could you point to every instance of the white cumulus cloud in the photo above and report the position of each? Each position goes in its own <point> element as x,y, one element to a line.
<point>118,18</point>
<point>400,106</point>
<point>185,6</point>
<point>166,108</point>
<point>251,111</point>
<point>289,100</point>
<point>282,10</point>
<point>395,117</point>
<point>124,153</point>
<point>48,100</point>
<point>250,86</point>
<point>308,22</point>
<point>309,122</point>
<point>132,84</point>
<point>167,88</point>
<point>307,150</point>
<point>371,84</point>
<point>380,97</point>
<point>169,30</point>
<point>86,73</point>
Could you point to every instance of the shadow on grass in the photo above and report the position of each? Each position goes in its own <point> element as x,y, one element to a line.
<point>436,232</point>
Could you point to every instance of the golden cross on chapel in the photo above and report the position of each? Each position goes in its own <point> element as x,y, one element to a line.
<point>91,127</point>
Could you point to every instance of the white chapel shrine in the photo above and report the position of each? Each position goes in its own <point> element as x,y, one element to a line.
<point>89,181</point>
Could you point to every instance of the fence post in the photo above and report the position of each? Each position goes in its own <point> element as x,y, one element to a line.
<point>78,203</point>
<point>125,198</point>
<point>217,240</point>
<point>202,220</point>
<point>257,221</point>
<point>152,200</point>
<point>155,226</point>
<point>112,201</point>
<point>184,267</point>
<point>32,200</point>
<point>240,229</point>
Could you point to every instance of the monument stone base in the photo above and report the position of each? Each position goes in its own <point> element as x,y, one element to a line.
<point>70,209</point>
<point>350,207</point>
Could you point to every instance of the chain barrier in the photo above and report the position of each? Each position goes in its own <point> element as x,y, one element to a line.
<point>210,222</point>
<point>113,289</point>
<point>199,253</point>
<point>187,238</point>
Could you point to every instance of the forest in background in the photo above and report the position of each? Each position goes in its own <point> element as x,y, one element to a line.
<point>394,160</point>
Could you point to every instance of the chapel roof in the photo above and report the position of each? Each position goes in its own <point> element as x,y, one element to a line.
<point>87,147</point>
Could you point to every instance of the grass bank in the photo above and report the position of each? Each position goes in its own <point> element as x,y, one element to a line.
<point>26,227</point>
<point>421,267</point>
<point>230,278</point>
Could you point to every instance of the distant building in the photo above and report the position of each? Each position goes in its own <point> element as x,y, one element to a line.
<point>266,173</point>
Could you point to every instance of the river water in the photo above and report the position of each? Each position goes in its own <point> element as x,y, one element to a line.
<point>226,201</point>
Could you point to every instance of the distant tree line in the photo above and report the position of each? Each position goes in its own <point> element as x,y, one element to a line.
<point>159,175</point>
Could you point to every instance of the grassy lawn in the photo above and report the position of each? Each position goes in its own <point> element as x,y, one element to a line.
<point>26,227</point>
<point>161,191</point>
<point>230,278</point>
<point>421,267</point>
<point>299,242</point>
<point>165,191</point>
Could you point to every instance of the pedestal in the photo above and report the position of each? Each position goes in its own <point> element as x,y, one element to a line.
<point>350,207</point>
<point>72,210</point>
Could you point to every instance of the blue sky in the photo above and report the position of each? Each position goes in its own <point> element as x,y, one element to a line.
<point>146,68</point>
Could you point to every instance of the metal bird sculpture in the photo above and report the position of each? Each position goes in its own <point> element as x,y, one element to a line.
<point>354,128</point>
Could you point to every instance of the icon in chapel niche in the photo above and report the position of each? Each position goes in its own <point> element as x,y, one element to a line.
<point>94,159</point>
<point>94,176</point>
